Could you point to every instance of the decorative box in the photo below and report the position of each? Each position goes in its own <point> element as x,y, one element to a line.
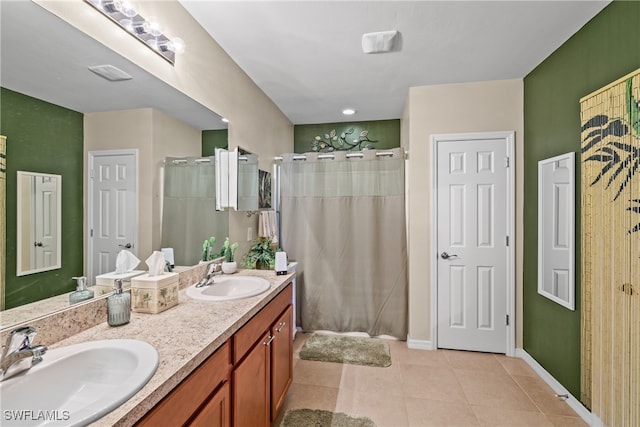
<point>154,294</point>
<point>105,282</point>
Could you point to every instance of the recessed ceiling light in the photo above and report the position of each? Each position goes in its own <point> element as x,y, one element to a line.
<point>348,111</point>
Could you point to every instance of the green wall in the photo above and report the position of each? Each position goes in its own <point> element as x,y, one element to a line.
<point>386,132</point>
<point>605,49</point>
<point>43,137</point>
<point>212,139</point>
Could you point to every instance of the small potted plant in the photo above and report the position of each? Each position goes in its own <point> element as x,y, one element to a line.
<point>208,253</point>
<point>229,265</point>
<point>261,255</point>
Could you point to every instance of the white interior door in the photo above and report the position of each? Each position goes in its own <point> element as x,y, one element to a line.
<point>473,226</point>
<point>113,213</point>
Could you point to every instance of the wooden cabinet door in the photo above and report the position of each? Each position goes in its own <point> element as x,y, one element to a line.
<point>185,400</point>
<point>217,412</point>
<point>251,387</point>
<point>281,360</point>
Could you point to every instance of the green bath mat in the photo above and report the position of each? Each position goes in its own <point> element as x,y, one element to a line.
<point>343,349</point>
<point>318,418</point>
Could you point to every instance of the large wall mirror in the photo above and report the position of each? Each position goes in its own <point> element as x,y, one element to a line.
<point>55,82</point>
<point>39,231</point>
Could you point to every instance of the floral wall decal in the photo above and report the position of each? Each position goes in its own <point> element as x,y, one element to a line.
<point>332,141</point>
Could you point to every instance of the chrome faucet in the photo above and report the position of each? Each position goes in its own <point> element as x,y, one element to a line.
<point>18,355</point>
<point>208,278</point>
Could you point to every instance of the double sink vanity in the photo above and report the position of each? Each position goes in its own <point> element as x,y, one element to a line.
<point>223,356</point>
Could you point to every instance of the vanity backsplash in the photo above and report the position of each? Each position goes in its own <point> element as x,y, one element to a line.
<point>62,324</point>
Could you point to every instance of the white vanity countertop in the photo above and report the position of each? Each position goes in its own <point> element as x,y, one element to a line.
<point>184,337</point>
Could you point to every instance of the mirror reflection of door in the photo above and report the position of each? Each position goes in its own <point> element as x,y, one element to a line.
<point>38,222</point>
<point>113,211</point>
<point>43,223</point>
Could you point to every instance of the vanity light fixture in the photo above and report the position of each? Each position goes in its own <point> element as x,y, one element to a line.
<point>348,111</point>
<point>147,31</point>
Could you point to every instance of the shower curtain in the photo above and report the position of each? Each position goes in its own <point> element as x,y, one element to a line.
<point>343,221</point>
<point>188,208</point>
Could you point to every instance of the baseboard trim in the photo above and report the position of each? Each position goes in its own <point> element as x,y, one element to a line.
<point>574,403</point>
<point>419,344</point>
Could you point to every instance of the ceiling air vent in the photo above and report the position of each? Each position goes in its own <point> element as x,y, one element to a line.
<point>380,42</point>
<point>110,73</point>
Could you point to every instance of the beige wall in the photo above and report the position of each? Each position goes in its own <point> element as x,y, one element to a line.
<point>203,72</point>
<point>155,135</point>
<point>456,108</point>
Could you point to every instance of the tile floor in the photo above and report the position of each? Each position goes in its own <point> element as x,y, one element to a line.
<point>430,388</point>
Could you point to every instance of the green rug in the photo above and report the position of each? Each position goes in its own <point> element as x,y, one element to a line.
<point>318,418</point>
<point>343,349</point>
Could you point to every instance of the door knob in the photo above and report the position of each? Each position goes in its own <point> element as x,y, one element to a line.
<point>445,255</point>
<point>38,244</point>
<point>127,246</point>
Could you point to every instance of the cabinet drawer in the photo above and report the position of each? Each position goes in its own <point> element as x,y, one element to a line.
<point>244,339</point>
<point>183,401</point>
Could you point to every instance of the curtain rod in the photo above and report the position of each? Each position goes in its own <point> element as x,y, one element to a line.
<point>332,156</point>
<point>185,160</point>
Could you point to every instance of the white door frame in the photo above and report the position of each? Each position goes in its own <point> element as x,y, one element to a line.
<point>90,160</point>
<point>509,138</point>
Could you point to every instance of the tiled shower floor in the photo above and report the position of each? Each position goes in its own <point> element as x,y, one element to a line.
<point>430,388</point>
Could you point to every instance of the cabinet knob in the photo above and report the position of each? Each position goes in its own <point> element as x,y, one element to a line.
<point>280,326</point>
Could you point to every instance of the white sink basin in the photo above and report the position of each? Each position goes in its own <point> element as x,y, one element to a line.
<point>77,384</point>
<point>225,288</point>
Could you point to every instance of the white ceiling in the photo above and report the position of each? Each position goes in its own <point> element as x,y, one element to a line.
<point>307,57</point>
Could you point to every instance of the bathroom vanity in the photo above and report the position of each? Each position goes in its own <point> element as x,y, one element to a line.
<point>248,376</point>
<point>220,363</point>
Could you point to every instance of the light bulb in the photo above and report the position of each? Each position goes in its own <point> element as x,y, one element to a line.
<point>176,45</point>
<point>126,7</point>
<point>153,43</point>
<point>155,28</point>
<point>127,24</point>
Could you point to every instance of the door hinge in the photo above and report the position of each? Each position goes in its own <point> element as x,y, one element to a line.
<point>506,162</point>
<point>91,233</point>
<point>507,320</point>
<point>507,240</point>
<point>91,173</point>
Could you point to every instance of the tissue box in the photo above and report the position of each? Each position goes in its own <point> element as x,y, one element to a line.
<point>105,282</point>
<point>154,294</point>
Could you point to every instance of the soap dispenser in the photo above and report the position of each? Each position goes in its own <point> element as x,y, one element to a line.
<point>118,306</point>
<point>81,293</point>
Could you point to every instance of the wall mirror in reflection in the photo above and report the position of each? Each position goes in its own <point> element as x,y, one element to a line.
<point>38,222</point>
<point>236,180</point>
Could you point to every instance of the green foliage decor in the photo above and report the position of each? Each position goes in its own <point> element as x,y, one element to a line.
<point>261,255</point>
<point>208,252</point>
<point>332,141</point>
<point>228,250</point>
